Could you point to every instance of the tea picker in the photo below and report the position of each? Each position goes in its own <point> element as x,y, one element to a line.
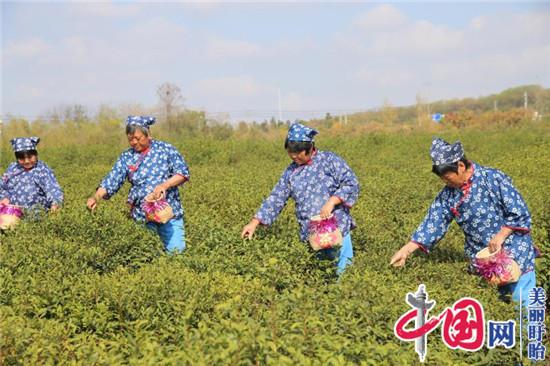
<point>154,169</point>
<point>324,188</point>
<point>490,211</point>
<point>27,184</point>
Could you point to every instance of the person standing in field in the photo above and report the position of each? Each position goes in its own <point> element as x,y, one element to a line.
<point>29,182</point>
<point>153,168</point>
<point>486,205</point>
<point>321,183</point>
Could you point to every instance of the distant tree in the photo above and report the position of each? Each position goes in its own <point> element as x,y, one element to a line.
<point>388,113</point>
<point>273,123</point>
<point>264,126</point>
<point>189,122</point>
<point>542,97</point>
<point>170,99</point>
<point>422,110</point>
<point>107,113</point>
<point>78,114</point>
<point>242,128</point>
<point>328,120</point>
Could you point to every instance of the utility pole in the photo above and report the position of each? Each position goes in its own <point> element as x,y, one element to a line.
<point>525,100</point>
<point>280,107</point>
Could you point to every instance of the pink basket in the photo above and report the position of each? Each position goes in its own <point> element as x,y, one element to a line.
<point>157,210</point>
<point>10,215</point>
<point>324,233</point>
<point>497,268</point>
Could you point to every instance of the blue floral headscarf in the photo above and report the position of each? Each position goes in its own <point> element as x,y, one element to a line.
<point>142,121</point>
<point>442,152</point>
<point>299,132</point>
<point>24,143</point>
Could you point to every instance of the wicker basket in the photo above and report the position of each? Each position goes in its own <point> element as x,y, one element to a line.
<point>10,215</point>
<point>324,233</point>
<point>157,210</point>
<point>497,268</point>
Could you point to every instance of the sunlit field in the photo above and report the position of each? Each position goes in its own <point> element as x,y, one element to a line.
<point>97,289</point>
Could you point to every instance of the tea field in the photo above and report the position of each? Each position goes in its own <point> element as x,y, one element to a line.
<point>96,289</point>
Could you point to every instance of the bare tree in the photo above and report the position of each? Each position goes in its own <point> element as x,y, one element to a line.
<point>388,113</point>
<point>422,110</point>
<point>170,99</point>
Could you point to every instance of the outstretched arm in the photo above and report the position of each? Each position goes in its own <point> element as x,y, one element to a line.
<point>429,232</point>
<point>400,257</point>
<point>271,207</point>
<point>110,184</point>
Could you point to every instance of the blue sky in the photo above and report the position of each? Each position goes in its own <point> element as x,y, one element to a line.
<point>232,59</point>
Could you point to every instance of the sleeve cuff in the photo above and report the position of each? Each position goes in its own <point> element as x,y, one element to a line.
<point>261,222</point>
<point>343,202</point>
<point>516,228</point>
<point>107,194</point>
<point>185,177</point>
<point>421,247</point>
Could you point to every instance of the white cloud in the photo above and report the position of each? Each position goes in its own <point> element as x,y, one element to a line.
<point>106,9</point>
<point>150,44</point>
<point>381,18</point>
<point>419,39</point>
<point>155,34</point>
<point>488,53</point>
<point>478,23</point>
<point>27,48</point>
<point>296,101</point>
<point>201,6</point>
<point>387,75</point>
<point>531,66</point>
<point>220,49</point>
<point>507,33</point>
<point>383,53</point>
<point>31,91</point>
<point>231,87</point>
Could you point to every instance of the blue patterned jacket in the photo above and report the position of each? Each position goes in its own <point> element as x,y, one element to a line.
<point>145,171</point>
<point>481,208</point>
<point>29,188</point>
<point>311,185</point>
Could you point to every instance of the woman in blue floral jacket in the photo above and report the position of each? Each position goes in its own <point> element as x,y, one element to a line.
<point>321,183</point>
<point>151,166</point>
<point>486,205</point>
<point>30,182</point>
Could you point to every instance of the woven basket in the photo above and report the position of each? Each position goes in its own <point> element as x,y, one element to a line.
<point>326,238</point>
<point>511,271</point>
<point>10,215</point>
<point>157,210</point>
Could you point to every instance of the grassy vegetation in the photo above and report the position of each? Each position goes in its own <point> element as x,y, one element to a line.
<point>97,289</point>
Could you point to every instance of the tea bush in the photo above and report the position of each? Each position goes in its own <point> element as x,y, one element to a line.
<point>97,289</point>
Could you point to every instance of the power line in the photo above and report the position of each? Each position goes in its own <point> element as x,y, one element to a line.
<point>236,112</point>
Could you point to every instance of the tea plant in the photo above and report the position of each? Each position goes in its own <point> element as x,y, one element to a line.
<point>97,289</point>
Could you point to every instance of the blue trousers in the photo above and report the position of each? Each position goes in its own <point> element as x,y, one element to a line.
<point>342,255</point>
<point>526,282</point>
<point>172,234</point>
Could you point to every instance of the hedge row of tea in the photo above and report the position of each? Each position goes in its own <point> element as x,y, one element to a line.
<point>96,289</point>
